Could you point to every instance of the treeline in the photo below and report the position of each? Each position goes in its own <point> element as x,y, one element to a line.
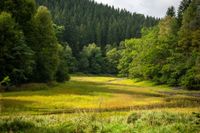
<point>42,46</point>
<point>35,49</point>
<point>168,53</point>
<point>29,49</point>
<point>86,22</point>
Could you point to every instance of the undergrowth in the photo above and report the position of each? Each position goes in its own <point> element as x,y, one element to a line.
<point>143,122</point>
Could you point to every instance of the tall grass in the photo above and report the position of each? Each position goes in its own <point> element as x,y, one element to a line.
<point>87,92</point>
<point>89,104</point>
<point>143,122</point>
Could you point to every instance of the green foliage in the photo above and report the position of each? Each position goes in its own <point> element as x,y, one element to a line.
<point>62,70</point>
<point>112,60</point>
<point>191,79</point>
<point>91,59</point>
<point>70,60</point>
<point>6,80</point>
<point>171,12</point>
<point>45,46</point>
<point>127,54</point>
<point>182,8</point>
<point>190,31</point>
<point>165,53</point>
<point>16,57</point>
<point>86,21</point>
<point>29,46</point>
<point>59,31</point>
<point>189,44</point>
<point>22,10</point>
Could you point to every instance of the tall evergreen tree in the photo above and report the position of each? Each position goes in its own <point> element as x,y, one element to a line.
<point>171,12</point>
<point>86,22</point>
<point>189,43</point>
<point>22,11</point>
<point>189,32</point>
<point>182,8</point>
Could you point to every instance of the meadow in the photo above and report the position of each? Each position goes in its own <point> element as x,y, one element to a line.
<point>99,104</point>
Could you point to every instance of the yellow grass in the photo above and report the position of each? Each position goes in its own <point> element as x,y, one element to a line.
<point>98,93</point>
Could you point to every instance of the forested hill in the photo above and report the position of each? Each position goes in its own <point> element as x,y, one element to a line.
<point>166,53</point>
<point>86,22</point>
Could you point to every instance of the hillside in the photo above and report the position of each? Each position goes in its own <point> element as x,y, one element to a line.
<point>87,22</point>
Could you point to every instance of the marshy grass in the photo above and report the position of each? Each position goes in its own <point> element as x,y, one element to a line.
<point>99,104</point>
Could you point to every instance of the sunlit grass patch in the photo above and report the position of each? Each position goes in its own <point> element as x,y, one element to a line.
<point>96,79</point>
<point>133,82</point>
<point>96,93</point>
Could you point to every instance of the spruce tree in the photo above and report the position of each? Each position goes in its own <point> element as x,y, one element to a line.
<point>190,45</point>
<point>182,8</point>
<point>171,12</point>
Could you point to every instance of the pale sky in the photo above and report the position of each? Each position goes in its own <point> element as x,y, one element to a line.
<point>155,8</point>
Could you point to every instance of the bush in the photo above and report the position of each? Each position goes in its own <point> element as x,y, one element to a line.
<point>62,74</point>
<point>191,79</point>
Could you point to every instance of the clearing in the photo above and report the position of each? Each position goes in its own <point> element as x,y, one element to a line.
<point>90,93</point>
<point>83,97</point>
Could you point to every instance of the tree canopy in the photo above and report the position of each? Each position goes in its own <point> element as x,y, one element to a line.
<point>52,38</point>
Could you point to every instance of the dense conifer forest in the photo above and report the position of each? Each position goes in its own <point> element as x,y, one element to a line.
<point>88,22</point>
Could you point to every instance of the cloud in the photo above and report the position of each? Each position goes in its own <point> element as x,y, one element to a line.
<point>155,8</point>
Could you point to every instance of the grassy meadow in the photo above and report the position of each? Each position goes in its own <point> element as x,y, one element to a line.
<point>99,104</point>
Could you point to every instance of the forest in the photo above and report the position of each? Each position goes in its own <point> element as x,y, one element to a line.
<point>78,66</point>
<point>49,39</point>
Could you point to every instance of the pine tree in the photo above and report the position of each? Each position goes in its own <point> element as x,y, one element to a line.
<point>182,8</point>
<point>171,12</point>
<point>190,45</point>
<point>86,22</point>
<point>189,32</point>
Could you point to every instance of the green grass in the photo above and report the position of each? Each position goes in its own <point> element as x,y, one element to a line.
<point>143,122</point>
<point>109,100</point>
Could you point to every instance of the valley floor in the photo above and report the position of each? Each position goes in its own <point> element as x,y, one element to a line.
<point>106,102</point>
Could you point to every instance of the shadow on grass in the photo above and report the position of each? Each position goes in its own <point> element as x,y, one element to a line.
<point>83,88</point>
<point>91,88</point>
<point>10,105</point>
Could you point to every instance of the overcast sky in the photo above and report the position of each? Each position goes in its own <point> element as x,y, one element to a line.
<point>155,8</point>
